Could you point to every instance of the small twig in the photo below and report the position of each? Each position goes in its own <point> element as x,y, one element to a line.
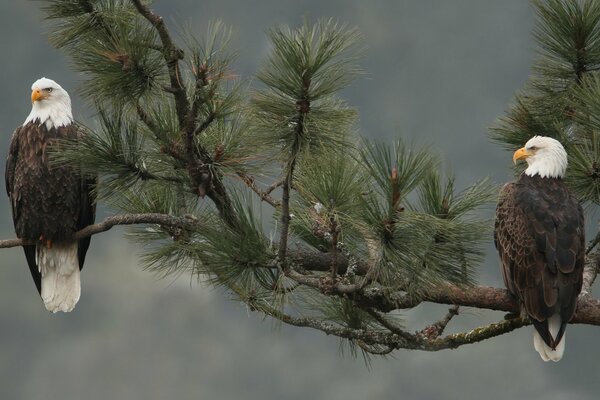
<point>386,323</point>
<point>436,330</point>
<point>274,186</point>
<point>442,324</point>
<point>205,124</point>
<point>375,351</point>
<point>325,286</point>
<point>590,271</point>
<point>593,243</point>
<point>251,183</point>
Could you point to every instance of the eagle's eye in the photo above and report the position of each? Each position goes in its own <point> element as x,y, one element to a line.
<point>533,148</point>
<point>49,90</point>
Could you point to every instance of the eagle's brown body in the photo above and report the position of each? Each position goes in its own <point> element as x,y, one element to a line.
<point>49,203</point>
<point>539,234</point>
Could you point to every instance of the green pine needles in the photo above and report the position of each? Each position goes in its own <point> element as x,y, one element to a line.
<point>561,98</point>
<point>282,203</point>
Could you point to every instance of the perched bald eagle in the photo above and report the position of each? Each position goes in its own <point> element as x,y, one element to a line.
<point>49,202</point>
<point>539,234</point>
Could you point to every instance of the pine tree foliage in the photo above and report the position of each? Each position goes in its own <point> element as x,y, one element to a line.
<point>560,99</point>
<point>359,225</point>
<point>298,110</point>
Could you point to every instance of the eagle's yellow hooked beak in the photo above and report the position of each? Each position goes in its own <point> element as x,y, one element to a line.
<point>36,94</point>
<point>520,154</point>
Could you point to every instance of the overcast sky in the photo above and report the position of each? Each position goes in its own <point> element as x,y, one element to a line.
<point>438,72</point>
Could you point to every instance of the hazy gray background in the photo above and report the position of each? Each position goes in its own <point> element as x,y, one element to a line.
<point>439,71</point>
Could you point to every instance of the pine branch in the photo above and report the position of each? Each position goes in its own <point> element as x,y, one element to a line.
<point>110,222</point>
<point>172,55</point>
<point>588,310</point>
<point>206,181</point>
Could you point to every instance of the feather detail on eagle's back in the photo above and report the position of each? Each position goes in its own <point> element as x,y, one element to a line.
<point>539,236</point>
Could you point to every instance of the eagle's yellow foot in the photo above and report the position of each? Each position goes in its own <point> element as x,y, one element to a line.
<point>49,244</point>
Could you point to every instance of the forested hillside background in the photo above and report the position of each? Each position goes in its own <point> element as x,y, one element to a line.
<point>437,72</point>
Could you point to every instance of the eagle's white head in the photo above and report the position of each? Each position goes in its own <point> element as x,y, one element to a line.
<point>545,157</point>
<point>51,104</point>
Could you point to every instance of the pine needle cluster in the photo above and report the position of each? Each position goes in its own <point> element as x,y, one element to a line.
<point>561,97</point>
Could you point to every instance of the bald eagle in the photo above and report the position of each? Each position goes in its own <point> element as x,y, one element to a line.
<point>539,234</point>
<point>49,202</point>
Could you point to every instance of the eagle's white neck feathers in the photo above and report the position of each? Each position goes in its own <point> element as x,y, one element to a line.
<point>548,157</point>
<point>55,109</point>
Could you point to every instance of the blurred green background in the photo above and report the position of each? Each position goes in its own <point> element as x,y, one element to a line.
<point>439,72</point>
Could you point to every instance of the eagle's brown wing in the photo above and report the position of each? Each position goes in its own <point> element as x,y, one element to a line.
<point>11,163</point>
<point>9,178</point>
<point>539,234</point>
<point>87,214</point>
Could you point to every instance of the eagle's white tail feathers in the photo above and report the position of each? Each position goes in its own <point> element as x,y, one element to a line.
<point>59,267</point>
<point>541,347</point>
